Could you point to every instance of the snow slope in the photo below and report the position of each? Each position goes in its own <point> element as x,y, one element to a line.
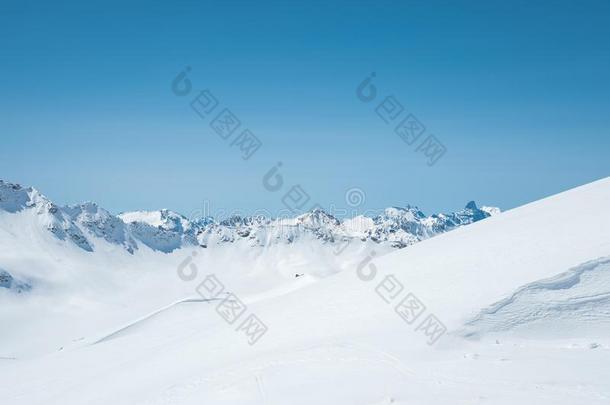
<point>522,295</point>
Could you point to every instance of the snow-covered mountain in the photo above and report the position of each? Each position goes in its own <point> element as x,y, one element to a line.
<point>166,231</point>
<point>510,310</point>
<point>100,223</point>
<point>14,198</point>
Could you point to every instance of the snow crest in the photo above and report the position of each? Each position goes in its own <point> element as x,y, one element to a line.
<point>562,305</point>
<point>166,231</point>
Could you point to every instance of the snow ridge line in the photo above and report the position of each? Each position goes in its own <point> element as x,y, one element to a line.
<point>516,310</point>
<point>563,281</point>
<point>149,316</point>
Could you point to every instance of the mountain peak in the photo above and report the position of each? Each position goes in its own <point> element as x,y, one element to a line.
<point>14,197</point>
<point>165,230</point>
<point>471,206</point>
<point>317,217</point>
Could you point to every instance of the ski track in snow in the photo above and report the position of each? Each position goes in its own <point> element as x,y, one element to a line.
<point>343,354</point>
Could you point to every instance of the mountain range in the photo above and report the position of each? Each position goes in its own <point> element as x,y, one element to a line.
<point>165,231</point>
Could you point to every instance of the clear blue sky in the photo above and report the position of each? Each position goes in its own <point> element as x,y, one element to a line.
<point>518,92</point>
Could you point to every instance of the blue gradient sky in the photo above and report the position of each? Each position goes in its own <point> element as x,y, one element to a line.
<point>517,92</point>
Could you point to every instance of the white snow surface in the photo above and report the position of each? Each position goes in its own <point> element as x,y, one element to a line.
<point>523,295</point>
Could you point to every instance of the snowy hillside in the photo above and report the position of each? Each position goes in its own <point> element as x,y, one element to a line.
<point>510,310</point>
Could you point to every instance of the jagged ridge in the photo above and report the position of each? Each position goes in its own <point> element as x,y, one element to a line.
<point>165,230</point>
